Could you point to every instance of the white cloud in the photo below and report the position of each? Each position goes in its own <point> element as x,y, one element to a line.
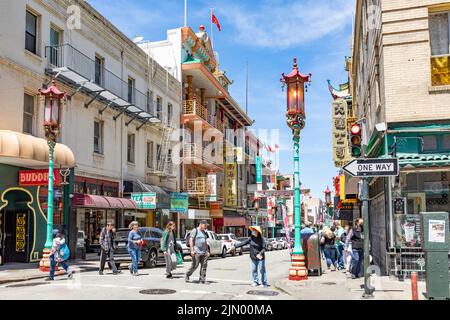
<point>287,24</point>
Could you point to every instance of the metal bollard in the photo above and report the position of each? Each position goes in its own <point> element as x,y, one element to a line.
<point>414,291</point>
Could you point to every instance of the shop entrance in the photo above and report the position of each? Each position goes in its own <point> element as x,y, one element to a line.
<point>15,235</point>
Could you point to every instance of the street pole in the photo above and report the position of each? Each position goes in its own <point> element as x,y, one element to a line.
<point>49,241</point>
<point>368,289</point>
<point>298,250</point>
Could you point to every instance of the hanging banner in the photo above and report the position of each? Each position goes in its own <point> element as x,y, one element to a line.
<point>212,187</point>
<point>231,185</point>
<point>145,200</point>
<point>179,202</point>
<point>258,169</point>
<point>271,206</point>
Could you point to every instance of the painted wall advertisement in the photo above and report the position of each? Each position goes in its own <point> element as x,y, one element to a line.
<point>407,230</point>
<point>145,200</point>
<point>179,202</point>
<point>231,185</point>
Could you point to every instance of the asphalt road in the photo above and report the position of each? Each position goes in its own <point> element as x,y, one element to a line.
<point>229,279</point>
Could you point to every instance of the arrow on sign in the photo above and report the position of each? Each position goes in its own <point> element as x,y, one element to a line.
<point>372,167</point>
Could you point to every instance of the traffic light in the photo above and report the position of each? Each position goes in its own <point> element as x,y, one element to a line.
<point>355,140</point>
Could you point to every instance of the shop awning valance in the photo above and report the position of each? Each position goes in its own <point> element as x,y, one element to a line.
<point>233,221</point>
<point>81,200</point>
<point>423,160</point>
<point>31,152</point>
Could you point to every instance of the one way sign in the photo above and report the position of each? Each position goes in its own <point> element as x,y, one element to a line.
<point>373,167</point>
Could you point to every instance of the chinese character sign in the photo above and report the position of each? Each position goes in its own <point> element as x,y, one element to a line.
<point>231,185</point>
<point>340,144</point>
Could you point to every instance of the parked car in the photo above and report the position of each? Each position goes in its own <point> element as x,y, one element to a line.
<point>282,242</point>
<point>268,244</point>
<point>230,240</point>
<point>247,246</point>
<point>151,253</point>
<point>186,250</point>
<point>216,247</point>
<point>275,244</point>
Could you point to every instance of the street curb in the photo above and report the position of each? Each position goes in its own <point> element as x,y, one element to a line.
<point>286,291</point>
<point>43,276</point>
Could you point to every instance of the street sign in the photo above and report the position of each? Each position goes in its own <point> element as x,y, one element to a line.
<point>372,167</point>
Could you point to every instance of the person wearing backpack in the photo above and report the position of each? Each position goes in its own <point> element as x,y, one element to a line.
<point>197,243</point>
<point>58,255</point>
<point>168,240</point>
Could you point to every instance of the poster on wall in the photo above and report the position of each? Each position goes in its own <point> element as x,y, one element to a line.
<point>436,231</point>
<point>407,230</point>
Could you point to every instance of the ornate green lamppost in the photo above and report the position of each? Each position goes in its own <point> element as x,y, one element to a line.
<point>295,116</point>
<point>52,123</point>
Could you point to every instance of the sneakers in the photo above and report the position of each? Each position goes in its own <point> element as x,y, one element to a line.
<point>263,286</point>
<point>203,281</point>
<point>100,273</point>
<point>186,278</point>
<point>353,276</point>
<point>49,279</point>
<point>169,276</point>
<point>116,272</point>
<point>254,284</point>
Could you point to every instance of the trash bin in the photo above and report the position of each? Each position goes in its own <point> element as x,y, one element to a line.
<point>311,250</point>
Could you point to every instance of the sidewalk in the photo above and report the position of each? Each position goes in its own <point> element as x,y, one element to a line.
<point>335,285</point>
<point>15,272</point>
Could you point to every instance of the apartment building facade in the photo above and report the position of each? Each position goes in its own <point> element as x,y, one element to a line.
<point>401,87</point>
<point>120,111</point>
<point>213,126</point>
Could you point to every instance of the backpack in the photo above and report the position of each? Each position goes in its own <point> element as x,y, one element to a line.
<point>188,238</point>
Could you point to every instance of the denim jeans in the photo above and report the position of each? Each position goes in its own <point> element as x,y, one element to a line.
<point>340,255</point>
<point>135,258</point>
<point>262,266</point>
<point>53,264</point>
<point>107,254</point>
<point>357,259</point>
<point>330,256</point>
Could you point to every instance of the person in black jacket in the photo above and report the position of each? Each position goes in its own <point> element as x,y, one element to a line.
<point>257,255</point>
<point>356,238</point>
<point>107,249</point>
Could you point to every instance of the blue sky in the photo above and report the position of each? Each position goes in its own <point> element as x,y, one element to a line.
<point>267,34</point>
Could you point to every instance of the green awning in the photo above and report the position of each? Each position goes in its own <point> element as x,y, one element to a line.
<point>424,160</point>
<point>399,127</point>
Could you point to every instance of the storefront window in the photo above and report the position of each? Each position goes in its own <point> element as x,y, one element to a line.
<point>420,192</point>
<point>58,203</point>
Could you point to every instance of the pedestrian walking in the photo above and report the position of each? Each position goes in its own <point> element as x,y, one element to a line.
<point>257,255</point>
<point>328,241</point>
<point>321,246</point>
<point>197,243</point>
<point>134,247</point>
<point>347,248</point>
<point>339,245</point>
<point>59,255</point>
<point>107,249</point>
<point>356,239</point>
<point>168,243</point>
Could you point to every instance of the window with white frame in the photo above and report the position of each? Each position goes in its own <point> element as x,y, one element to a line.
<point>31,32</point>
<point>150,148</point>
<point>98,137</point>
<point>28,114</point>
<point>130,147</point>
<point>439,25</point>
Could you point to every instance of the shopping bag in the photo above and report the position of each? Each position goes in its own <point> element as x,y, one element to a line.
<point>174,260</point>
<point>179,259</point>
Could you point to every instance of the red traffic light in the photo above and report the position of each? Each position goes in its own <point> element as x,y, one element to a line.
<point>355,129</point>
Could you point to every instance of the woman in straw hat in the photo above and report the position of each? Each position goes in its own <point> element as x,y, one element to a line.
<point>257,255</point>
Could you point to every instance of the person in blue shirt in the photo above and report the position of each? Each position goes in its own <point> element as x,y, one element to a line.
<point>134,247</point>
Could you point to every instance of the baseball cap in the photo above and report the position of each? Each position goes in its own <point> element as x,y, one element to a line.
<point>204,222</point>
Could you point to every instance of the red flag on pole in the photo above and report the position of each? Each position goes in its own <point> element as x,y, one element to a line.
<point>215,21</point>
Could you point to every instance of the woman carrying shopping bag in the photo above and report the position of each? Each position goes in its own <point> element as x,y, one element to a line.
<point>168,243</point>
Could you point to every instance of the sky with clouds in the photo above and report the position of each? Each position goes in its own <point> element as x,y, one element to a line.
<point>267,34</point>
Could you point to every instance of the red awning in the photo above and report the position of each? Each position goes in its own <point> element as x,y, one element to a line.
<point>234,221</point>
<point>94,201</point>
<point>127,203</point>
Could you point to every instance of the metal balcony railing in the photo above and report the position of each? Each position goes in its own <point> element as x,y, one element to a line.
<point>192,107</point>
<point>66,57</point>
<point>192,150</point>
<point>196,186</point>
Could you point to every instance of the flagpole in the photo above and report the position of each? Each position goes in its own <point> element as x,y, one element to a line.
<point>185,13</point>
<point>211,24</point>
